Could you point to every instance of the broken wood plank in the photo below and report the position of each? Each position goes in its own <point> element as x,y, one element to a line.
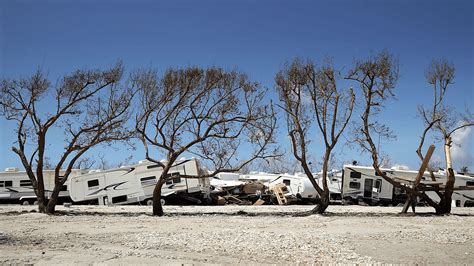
<point>411,200</point>
<point>424,164</point>
<point>278,192</point>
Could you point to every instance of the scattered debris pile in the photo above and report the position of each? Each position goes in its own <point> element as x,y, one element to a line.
<point>249,193</point>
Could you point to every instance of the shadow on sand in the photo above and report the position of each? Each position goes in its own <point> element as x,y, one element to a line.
<point>246,214</point>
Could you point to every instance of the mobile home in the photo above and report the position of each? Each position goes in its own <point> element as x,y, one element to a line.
<point>135,184</point>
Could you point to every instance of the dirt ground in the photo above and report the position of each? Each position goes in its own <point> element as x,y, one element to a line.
<point>234,235</point>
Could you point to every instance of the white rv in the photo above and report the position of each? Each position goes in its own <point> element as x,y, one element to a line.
<point>299,186</point>
<point>135,184</point>
<point>334,182</point>
<point>16,187</point>
<point>361,183</point>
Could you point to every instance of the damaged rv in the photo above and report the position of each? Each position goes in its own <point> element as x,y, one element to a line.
<point>16,187</point>
<point>363,184</point>
<point>135,184</point>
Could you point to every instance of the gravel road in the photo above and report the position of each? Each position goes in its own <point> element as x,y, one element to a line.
<point>234,234</point>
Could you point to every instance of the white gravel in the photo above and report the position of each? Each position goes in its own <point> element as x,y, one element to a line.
<point>218,235</point>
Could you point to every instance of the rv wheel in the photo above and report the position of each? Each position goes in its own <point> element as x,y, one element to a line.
<point>25,202</point>
<point>150,202</point>
<point>35,202</point>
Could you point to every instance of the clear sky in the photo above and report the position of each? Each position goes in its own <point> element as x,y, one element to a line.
<point>255,37</point>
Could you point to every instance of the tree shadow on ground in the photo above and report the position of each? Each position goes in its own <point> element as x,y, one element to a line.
<point>248,214</point>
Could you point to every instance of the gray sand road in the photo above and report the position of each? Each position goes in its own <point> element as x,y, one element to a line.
<point>216,235</point>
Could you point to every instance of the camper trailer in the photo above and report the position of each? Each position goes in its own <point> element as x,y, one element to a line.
<point>362,183</point>
<point>135,184</point>
<point>16,187</point>
<point>334,182</point>
<point>299,186</point>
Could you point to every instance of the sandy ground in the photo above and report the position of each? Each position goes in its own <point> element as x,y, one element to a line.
<point>233,235</point>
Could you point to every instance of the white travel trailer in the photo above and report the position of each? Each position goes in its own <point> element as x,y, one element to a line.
<point>361,183</point>
<point>334,182</point>
<point>135,184</point>
<point>16,187</point>
<point>298,186</point>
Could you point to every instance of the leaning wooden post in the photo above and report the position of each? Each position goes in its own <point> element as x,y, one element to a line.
<point>421,171</point>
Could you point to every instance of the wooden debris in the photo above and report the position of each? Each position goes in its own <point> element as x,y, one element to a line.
<point>253,187</point>
<point>278,191</point>
<point>259,202</point>
<point>220,200</point>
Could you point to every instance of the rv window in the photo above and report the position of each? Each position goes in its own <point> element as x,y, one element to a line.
<point>64,188</point>
<point>377,174</point>
<point>177,179</point>
<point>286,182</point>
<point>355,185</point>
<point>119,199</point>
<point>355,174</point>
<point>378,185</point>
<point>147,178</point>
<point>470,183</point>
<point>93,183</point>
<point>172,174</point>
<point>152,166</point>
<point>25,183</point>
<point>6,183</point>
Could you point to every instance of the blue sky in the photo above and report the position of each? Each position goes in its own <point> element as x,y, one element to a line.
<point>256,37</point>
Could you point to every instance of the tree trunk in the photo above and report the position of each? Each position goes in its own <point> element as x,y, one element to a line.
<point>321,208</point>
<point>448,191</point>
<point>157,208</point>
<point>53,200</point>
<point>323,205</point>
<point>41,199</point>
<point>41,205</point>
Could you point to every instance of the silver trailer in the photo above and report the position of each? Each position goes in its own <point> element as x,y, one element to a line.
<point>16,187</point>
<point>135,184</point>
<point>362,184</point>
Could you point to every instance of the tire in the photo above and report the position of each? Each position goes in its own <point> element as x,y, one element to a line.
<point>25,203</point>
<point>149,202</point>
<point>35,202</point>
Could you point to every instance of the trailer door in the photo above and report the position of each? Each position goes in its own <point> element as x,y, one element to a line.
<point>368,188</point>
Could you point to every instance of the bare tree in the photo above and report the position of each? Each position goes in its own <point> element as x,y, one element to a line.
<point>376,77</point>
<point>440,75</point>
<point>210,113</point>
<point>307,92</point>
<point>89,105</point>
